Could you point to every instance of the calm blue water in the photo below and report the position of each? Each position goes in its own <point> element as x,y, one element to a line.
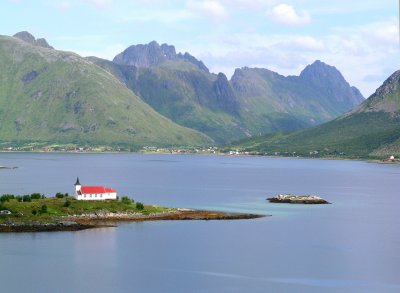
<point>349,246</point>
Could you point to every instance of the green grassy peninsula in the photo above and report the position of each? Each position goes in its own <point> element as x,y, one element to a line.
<point>36,213</point>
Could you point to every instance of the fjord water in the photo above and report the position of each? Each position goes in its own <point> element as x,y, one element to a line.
<point>351,245</point>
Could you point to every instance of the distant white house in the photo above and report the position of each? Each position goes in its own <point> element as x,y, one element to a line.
<point>93,192</point>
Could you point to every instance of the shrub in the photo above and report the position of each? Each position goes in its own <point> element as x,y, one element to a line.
<point>67,203</point>
<point>139,206</point>
<point>6,197</point>
<point>43,209</point>
<point>36,196</point>
<point>26,198</point>
<point>126,200</point>
<point>59,195</point>
<point>34,212</point>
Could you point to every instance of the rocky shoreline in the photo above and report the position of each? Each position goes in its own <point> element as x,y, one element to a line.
<point>44,227</point>
<point>297,199</point>
<point>106,219</point>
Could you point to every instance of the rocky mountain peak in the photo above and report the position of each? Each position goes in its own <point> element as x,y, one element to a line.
<point>194,61</point>
<point>29,38</point>
<point>328,80</point>
<point>320,70</point>
<point>144,55</point>
<point>152,54</point>
<point>390,86</point>
<point>386,98</point>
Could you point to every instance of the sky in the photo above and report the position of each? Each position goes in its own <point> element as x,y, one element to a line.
<point>358,37</point>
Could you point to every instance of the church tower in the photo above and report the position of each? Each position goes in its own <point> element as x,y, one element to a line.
<point>77,186</point>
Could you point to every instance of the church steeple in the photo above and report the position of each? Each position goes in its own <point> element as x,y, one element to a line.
<point>77,187</point>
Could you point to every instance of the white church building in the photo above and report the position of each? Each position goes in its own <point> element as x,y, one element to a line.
<point>93,192</point>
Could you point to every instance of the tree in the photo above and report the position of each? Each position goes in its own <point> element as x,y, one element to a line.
<point>59,195</point>
<point>36,196</point>
<point>139,206</point>
<point>26,198</point>
<point>6,197</point>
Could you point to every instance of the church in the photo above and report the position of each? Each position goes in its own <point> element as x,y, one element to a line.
<point>93,192</point>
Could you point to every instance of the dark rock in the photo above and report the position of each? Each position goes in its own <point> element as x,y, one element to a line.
<point>77,107</point>
<point>18,123</point>
<point>194,61</point>
<point>27,78</point>
<point>226,99</point>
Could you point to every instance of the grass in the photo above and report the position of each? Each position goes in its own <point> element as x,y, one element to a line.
<point>29,212</point>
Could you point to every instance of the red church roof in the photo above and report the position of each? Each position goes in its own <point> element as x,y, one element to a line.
<point>96,190</point>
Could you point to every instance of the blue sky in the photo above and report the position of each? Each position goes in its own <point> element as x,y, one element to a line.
<point>359,37</point>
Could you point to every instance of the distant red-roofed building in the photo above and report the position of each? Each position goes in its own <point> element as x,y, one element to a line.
<point>93,192</point>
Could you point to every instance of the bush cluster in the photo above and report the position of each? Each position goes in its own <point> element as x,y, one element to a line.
<point>6,197</point>
<point>26,197</point>
<point>126,200</point>
<point>139,206</point>
<point>61,195</point>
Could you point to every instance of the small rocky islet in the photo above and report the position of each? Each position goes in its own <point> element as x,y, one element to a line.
<point>297,199</point>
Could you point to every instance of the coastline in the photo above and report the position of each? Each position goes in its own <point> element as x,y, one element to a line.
<point>367,160</point>
<point>106,219</point>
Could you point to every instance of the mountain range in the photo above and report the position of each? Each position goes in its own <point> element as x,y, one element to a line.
<point>50,96</point>
<point>370,130</point>
<point>151,95</point>
<point>253,102</point>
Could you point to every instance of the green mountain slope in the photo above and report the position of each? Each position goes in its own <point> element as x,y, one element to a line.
<point>50,96</point>
<point>370,130</point>
<point>254,102</point>
<point>186,94</point>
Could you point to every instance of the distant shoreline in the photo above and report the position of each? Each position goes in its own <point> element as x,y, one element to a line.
<point>367,160</point>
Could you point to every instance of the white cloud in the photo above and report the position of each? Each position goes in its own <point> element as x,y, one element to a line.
<point>359,52</point>
<point>304,43</point>
<point>384,34</point>
<point>286,14</point>
<point>210,8</point>
<point>247,4</point>
<point>166,16</point>
<point>65,5</point>
<point>100,4</point>
<point>108,52</point>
